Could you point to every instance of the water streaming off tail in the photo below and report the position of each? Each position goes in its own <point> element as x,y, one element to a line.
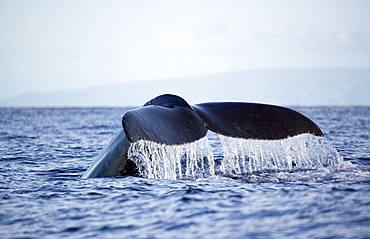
<point>306,151</point>
<point>237,156</point>
<point>154,160</point>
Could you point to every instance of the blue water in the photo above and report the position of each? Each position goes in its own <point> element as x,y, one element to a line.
<point>44,151</point>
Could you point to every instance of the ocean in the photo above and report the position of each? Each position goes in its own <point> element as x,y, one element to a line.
<point>44,152</point>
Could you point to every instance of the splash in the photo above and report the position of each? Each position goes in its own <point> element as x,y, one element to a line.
<point>233,156</point>
<point>154,160</point>
<point>301,152</point>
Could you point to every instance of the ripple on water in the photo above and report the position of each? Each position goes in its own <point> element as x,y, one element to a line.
<point>42,195</point>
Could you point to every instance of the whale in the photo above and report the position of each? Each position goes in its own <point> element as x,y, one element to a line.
<point>169,120</point>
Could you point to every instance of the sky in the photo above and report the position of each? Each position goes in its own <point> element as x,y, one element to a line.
<point>56,45</point>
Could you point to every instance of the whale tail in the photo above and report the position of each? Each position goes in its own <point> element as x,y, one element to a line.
<point>170,120</point>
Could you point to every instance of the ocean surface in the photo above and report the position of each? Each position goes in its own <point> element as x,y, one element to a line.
<point>44,152</point>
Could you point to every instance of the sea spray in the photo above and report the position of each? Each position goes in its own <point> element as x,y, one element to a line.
<point>301,152</point>
<point>155,160</point>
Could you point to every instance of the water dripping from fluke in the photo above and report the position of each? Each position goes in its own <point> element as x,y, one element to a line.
<point>301,152</point>
<point>237,157</point>
<point>155,160</point>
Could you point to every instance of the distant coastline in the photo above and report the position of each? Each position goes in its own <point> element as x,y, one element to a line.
<point>294,87</point>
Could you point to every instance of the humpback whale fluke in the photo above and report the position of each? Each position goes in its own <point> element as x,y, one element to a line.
<point>170,120</point>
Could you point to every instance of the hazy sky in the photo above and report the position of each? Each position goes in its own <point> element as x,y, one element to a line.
<point>49,45</point>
